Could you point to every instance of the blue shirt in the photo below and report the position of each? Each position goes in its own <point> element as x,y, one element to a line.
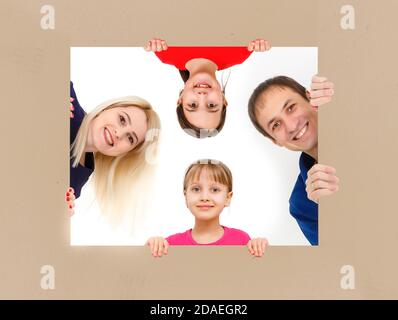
<point>80,174</point>
<point>304,210</point>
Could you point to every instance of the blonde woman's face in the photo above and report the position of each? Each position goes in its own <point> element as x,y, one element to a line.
<point>206,198</point>
<point>202,100</point>
<point>118,130</point>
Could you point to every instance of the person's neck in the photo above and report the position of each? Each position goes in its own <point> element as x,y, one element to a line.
<point>200,65</point>
<point>89,147</point>
<point>313,153</point>
<point>207,231</point>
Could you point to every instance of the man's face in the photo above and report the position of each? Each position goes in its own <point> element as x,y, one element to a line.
<point>288,118</point>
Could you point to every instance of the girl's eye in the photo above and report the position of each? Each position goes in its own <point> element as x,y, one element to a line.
<point>122,120</point>
<point>276,125</point>
<point>131,139</point>
<point>195,189</point>
<point>215,189</point>
<point>193,105</point>
<point>212,105</point>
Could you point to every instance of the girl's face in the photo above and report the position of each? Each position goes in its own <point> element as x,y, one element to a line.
<point>206,198</point>
<point>202,100</point>
<point>118,130</point>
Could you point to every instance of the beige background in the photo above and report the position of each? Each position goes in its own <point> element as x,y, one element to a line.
<point>358,226</point>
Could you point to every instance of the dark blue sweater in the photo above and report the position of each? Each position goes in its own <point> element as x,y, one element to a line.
<point>80,174</point>
<point>304,210</point>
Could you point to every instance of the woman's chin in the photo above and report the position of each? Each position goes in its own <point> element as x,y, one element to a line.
<point>105,151</point>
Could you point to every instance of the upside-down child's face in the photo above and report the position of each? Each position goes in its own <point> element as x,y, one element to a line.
<point>206,198</point>
<point>202,100</point>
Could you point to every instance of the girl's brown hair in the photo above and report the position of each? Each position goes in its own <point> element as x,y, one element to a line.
<point>217,170</point>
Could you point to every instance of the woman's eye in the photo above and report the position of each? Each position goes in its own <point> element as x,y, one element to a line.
<point>122,120</point>
<point>290,109</point>
<point>131,139</point>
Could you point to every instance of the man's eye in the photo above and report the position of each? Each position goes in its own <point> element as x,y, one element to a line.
<point>122,119</point>
<point>276,125</point>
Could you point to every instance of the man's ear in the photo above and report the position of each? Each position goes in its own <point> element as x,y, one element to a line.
<point>276,142</point>
<point>308,94</point>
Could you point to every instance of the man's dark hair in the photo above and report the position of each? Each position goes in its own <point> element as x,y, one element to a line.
<point>279,81</point>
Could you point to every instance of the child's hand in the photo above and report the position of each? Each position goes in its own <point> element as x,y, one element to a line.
<point>158,246</point>
<point>257,246</point>
<point>259,45</point>
<point>70,198</point>
<point>321,91</point>
<point>71,108</point>
<point>321,181</point>
<point>156,45</point>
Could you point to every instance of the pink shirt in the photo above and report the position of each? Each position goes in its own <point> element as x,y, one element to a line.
<point>231,237</point>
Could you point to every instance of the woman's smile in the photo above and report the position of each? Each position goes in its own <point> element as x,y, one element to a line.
<point>108,137</point>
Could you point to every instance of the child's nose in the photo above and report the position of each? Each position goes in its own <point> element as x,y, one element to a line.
<point>205,195</point>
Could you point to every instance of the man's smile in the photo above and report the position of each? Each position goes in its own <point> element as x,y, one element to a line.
<point>301,132</point>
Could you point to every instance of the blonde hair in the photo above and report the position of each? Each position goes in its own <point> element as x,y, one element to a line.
<point>218,171</point>
<point>122,182</point>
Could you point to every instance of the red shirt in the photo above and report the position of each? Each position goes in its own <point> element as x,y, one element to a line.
<point>223,57</point>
